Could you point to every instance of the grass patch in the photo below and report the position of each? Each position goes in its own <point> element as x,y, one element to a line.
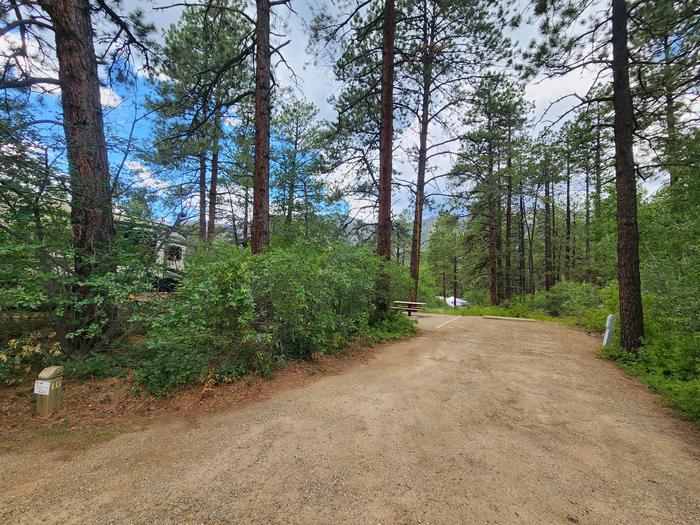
<point>80,438</point>
<point>478,311</point>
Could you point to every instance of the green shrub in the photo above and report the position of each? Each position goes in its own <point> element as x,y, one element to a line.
<point>670,365</point>
<point>567,298</point>
<point>94,365</point>
<point>318,297</point>
<point>27,355</point>
<point>392,326</point>
<point>312,297</point>
<point>203,322</point>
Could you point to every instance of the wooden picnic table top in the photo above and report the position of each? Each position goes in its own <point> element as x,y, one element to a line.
<point>408,302</point>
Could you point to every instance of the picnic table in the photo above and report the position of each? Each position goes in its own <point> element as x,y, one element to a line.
<point>408,306</point>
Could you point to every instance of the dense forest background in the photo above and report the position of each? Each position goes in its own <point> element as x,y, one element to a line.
<point>173,209</point>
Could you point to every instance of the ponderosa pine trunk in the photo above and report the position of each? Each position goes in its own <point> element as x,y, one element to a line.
<point>499,237</point>
<point>261,164</point>
<point>386,132</point>
<point>521,243</point>
<point>509,219</point>
<point>91,197</point>
<point>202,197</point>
<point>587,224</point>
<point>307,206</point>
<point>422,157</point>
<point>631,311</point>
<point>234,222</point>
<point>598,199</point>
<point>556,250</point>
<point>548,252</point>
<point>211,225</point>
<point>246,215</point>
<point>531,241</point>
<point>567,234</point>
<point>92,219</point>
<point>291,189</point>
<point>573,241</point>
<point>492,225</point>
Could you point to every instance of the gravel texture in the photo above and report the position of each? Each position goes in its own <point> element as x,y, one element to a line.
<point>472,421</point>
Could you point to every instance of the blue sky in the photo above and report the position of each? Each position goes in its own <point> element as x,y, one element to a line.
<point>124,104</point>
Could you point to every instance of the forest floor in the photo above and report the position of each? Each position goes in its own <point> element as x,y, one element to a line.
<point>471,421</point>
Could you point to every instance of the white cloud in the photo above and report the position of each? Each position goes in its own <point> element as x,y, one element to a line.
<point>40,65</point>
<point>37,65</point>
<point>109,98</point>
<point>232,121</point>
<point>551,96</point>
<point>143,177</point>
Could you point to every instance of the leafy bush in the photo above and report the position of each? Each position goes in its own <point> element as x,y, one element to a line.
<point>312,297</point>
<point>392,326</point>
<point>567,298</point>
<point>27,355</point>
<point>670,365</point>
<point>318,297</point>
<point>205,319</point>
<point>94,365</point>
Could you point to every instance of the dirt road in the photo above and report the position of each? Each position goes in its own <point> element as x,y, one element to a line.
<point>473,421</point>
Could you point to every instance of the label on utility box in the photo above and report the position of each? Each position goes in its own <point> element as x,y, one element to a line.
<point>42,387</point>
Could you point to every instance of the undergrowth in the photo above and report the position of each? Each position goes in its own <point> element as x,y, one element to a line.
<point>235,314</point>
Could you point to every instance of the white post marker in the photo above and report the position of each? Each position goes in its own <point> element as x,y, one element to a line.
<point>609,329</point>
<point>48,389</point>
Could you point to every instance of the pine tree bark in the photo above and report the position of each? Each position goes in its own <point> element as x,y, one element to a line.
<point>573,241</point>
<point>556,250</point>
<point>92,221</point>
<point>211,225</point>
<point>213,190</point>
<point>548,253</point>
<point>234,222</point>
<point>598,199</point>
<point>428,37</point>
<point>567,235</point>
<point>500,283</point>
<point>492,225</point>
<point>509,219</point>
<point>246,214</point>
<point>587,224</point>
<point>521,243</point>
<point>493,254</point>
<point>386,132</point>
<point>261,164</point>
<point>631,311</point>
<point>91,197</point>
<point>202,196</point>
<point>531,242</point>
<point>291,188</point>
